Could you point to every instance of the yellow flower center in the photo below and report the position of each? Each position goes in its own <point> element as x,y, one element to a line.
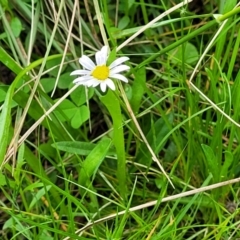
<point>101,72</point>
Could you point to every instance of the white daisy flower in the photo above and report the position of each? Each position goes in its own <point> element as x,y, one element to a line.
<point>99,73</point>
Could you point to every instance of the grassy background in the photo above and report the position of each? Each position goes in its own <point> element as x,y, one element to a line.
<point>80,164</point>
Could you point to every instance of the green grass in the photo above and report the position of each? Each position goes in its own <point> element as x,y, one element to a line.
<point>156,159</point>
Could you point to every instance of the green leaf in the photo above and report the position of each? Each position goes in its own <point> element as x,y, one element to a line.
<point>38,195</point>
<point>5,122</point>
<point>211,162</point>
<point>47,149</point>
<point>94,160</point>
<point>80,148</point>
<point>123,23</point>
<point>236,95</point>
<point>188,51</point>
<point>2,179</point>
<point>171,152</point>
<point>112,103</point>
<point>3,93</point>
<point>10,63</point>
<point>226,165</point>
<point>65,80</point>
<point>53,66</point>
<point>48,84</point>
<point>16,26</point>
<point>159,182</point>
<point>32,187</point>
<point>79,96</point>
<point>227,6</point>
<point>4,4</point>
<point>20,163</point>
<point>112,56</point>
<point>81,115</point>
<point>138,89</point>
<point>66,110</point>
<point>3,35</point>
<point>128,91</point>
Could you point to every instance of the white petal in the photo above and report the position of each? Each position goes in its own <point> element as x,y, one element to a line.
<point>80,72</point>
<point>81,83</point>
<point>120,77</point>
<point>119,69</point>
<point>87,63</point>
<point>110,84</point>
<point>98,58</point>
<point>118,62</point>
<point>93,83</point>
<point>83,79</point>
<point>104,52</point>
<point>103,86</point>
<point>101,56</point>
